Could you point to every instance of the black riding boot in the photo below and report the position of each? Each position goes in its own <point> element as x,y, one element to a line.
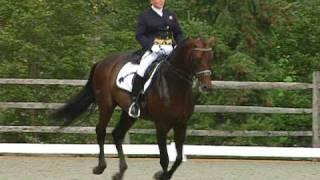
<point>134,109</point>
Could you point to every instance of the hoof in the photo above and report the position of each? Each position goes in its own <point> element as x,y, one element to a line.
<point>159,176</point>
<point>98,170</point>
<point>117,176</point>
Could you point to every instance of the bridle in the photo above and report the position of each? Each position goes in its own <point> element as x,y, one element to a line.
<point>186,77</point>
<point>206,72</point>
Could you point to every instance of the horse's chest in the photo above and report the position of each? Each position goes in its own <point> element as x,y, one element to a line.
<point>173,108</point>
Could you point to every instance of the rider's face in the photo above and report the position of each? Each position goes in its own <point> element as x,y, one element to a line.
<point>158,3</point>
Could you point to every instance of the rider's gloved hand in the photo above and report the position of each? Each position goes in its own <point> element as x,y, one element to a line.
<point>155,48</point>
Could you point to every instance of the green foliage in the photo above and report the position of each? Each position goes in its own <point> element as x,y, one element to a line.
<point>256,40</point>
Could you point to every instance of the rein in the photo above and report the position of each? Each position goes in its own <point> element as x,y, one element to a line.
<point>184,76</point>
<point>181,74</point>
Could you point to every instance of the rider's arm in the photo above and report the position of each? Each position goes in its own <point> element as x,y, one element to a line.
<point>177,31</point>
<point>141,32</point>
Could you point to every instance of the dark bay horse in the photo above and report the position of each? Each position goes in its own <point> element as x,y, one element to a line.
<point>168,100</point>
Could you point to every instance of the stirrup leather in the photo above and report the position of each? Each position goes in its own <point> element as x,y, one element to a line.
<point>134,110</point>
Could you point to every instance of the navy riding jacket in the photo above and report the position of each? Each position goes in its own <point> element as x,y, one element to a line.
<point>151,25</point>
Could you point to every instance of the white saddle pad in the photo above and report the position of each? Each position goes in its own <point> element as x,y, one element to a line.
<point>124,78</point>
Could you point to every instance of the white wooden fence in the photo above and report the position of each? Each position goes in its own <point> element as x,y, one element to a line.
<point>314,111</point>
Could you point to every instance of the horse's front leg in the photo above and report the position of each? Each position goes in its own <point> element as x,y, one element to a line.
<point>118,134</point>
<point>164,158</point>
<point>179,138</point>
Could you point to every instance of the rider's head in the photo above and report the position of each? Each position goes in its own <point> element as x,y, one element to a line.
<point>159,4</point>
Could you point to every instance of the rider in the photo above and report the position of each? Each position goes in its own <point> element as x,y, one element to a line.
<point>158,31</point>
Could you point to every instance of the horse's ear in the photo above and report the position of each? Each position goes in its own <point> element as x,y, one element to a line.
<point>211,41</point>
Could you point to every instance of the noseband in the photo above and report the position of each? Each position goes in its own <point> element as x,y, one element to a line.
<point>202,49</point>
<point>206,72</point>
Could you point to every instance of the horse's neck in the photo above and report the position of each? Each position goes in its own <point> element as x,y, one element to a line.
<point>179,60</point>
<point>178,79</point>
<point>172,85</point>
<point>175,76</point>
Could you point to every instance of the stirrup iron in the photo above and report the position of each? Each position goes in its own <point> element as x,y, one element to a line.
<point>130,110</point>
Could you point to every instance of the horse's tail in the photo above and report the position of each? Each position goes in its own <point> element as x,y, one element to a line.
<point>78,104</point>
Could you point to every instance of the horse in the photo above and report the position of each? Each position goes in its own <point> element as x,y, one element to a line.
<point>168,101</point>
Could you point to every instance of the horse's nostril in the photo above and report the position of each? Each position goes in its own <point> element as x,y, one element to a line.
<point>206,87</point>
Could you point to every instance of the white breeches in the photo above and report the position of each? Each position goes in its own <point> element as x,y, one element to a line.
<point>149,57</point>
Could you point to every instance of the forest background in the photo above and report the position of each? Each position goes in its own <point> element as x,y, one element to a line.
<point>256,40</point>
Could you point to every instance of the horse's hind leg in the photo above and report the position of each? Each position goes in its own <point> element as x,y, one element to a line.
<point>118,134</point>
<point>179,137</point>
<point>104,117</point>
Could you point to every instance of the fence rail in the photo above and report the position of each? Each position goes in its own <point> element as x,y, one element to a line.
<point>199,108</point>
<point>91,130</point>
<point>216,84</point>
<point>70,82</point>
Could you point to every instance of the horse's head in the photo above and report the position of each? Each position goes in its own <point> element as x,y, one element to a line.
<point>199,54</point>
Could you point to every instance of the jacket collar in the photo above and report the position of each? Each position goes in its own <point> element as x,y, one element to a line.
<point>158,11</point>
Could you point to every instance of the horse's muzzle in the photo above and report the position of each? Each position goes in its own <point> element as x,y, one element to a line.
<point>205,87</point>
<point>205,80</point>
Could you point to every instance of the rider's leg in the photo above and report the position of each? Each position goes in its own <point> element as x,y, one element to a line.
<point>134,109</point>
<point>146,61</point>
<point>138,82</point>
<point>149,57</point>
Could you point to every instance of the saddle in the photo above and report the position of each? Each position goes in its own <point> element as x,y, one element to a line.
<point>136,56</point>
<point>126,73</point>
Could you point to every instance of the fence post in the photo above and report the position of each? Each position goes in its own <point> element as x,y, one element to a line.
<point>315,110</point>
